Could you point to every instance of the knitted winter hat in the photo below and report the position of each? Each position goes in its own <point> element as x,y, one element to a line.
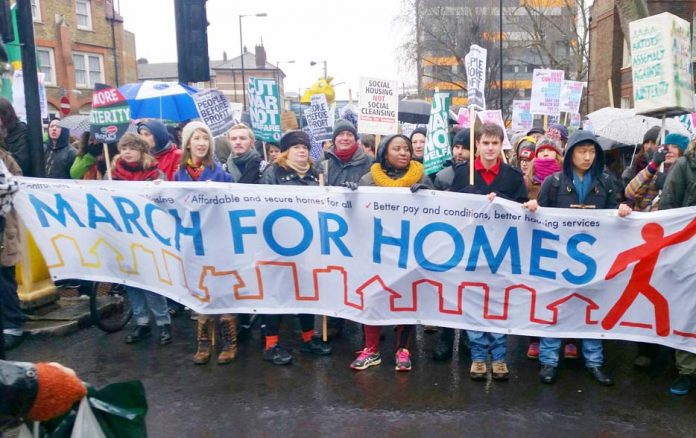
<point>562,129</point>
<point>343,125</point>
<point>536,130</point>
<point>58,391</point>
<point>652,134</point>
<point>526,151</point>
<point>190,128</point>
<point>678,140</point>
<point>292,138</point>
<point>419,130</point>
<point>547,143</point>
<point>381,156</point>
<point>462,138</point>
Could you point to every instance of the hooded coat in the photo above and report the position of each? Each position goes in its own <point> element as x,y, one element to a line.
<point>59,156</point>
<point>680,186</point>
<point>381,158</point>
<point>559,191</point>
<point>167,154</point>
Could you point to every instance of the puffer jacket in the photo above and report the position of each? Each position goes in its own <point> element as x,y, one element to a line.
<point>11,245</point>
<point>337,173</point>
<point>19,386</point>
<point>59,156</point>
<point>680,187</point>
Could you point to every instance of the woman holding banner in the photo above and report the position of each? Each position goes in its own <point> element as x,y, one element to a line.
<point>198,164</point>
<point>293,167</point>
<point>394,167</point>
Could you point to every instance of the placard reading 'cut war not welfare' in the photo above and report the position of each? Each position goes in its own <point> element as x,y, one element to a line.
<point>379,106</point>
<point>377,255</point>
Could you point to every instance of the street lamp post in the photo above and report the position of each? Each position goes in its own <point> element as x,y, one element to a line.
<point>241,50</point>
<point>312,63</point>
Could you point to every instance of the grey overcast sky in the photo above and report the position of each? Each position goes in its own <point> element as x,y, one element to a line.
<point>356,38</point>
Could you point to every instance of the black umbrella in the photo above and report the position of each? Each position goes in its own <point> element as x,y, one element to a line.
<point>414,111</point>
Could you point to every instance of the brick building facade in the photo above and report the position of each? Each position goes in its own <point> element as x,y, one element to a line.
<point>80,43</point>
<point>610,62</point>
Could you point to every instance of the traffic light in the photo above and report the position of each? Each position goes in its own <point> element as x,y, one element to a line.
<point>192,40</point>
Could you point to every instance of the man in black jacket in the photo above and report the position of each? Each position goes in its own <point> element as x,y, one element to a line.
<point>493,178</point>
<point>581,184</point>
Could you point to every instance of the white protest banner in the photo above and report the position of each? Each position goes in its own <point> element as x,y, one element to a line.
<point>475,62</point>
<point>661,64</point>
<point>377,255</point>
<point>378,106</point>
<point>18,101</point>
<point>463,117</point>
<point>215,110</point>
<point>437,141</point>
<point>571,95</point>
<point>575,121</point>
<point>546,91</point>
<point>264,109</point>
<point>317,116</point>
<point>522,118</point>
<point>495,117</point>
<point>237,109</point>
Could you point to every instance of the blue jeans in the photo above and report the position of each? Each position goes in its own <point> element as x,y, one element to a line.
<point>142,301</point>
<point>550,351</point>
<point>481,343</point>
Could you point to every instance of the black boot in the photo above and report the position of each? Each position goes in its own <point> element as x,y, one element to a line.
<point>138,334</point>
<point>165,336</point>
<point>600,375</point>
<point>548,374</point>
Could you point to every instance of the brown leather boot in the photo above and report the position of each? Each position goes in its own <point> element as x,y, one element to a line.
<point>204,330</point>
<point>228,339</point>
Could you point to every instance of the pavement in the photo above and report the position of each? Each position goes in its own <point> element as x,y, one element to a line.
<point>321,396</point>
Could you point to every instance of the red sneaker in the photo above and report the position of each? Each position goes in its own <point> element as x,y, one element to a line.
<point>533,350</point>
<point>570,351</point>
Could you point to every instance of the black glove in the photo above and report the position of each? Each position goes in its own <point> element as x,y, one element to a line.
<point>472,190</point>
<point>418,186</point>
<point>659,155</point>
<point>351,185</point>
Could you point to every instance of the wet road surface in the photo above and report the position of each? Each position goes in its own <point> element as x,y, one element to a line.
<point>321,396</point>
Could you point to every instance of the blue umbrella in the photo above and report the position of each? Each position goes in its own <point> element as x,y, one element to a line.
<point>161,100</point>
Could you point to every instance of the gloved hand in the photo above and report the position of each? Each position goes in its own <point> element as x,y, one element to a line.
<point>351,185</point>
<point>418,186</point>
<point>659,155</point>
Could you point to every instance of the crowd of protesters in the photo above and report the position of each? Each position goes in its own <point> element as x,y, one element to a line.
<point>547,168</point>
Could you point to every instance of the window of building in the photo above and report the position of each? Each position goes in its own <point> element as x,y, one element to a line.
<point>83,11</point>
<point>46,64</point>
<point>89,69</point>
<point>36,10</point>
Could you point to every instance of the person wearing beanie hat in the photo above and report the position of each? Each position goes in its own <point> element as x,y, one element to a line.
<point>347,129</point>
<point>548,144</point>
<point>536,133</point>
<point>642,158</point>
<point>293,167</point>
<point>394,166</point>
<point>166,153</point>
<point>559,133</point>
<point>36,392</point>
<point>417,140</point>
<point>245,163</point>
<point>345,162</point>
<point>525,155</point>
<point>582,183</point>
<point>460,155</point>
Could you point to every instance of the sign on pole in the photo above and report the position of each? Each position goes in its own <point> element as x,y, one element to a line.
<point>475,62</point>
<point>546,91</point>
<point>317,116</point>
<point>661,64</point>
<point>571,95</point>
<point>463,117</point>
<point>496,117</point>
<point>522,118</point>
<point>215,110</point>
<point>379,106</point>
<point>437,141</point>
<point>18,101</point>
<point>264,109</point>
<point>110,115</point>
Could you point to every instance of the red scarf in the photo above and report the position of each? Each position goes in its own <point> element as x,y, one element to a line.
<point>123,171</point>
<point>347,154</point>
<point>194,171</point>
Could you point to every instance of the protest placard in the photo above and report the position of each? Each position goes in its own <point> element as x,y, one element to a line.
<point>215,110</point>
<point>571,95</point>
<point>317,116</point>
<point>437,141</point>
<point>18,101</point>
<point>475,62</point>
<point>661,65</point>
<point>522,118</point>
<point>110,115</point>
<point>288,120</point>
<point>546,92</point>
<point>495,117</point>
<point>264,109</point>
<point>463,117</point>
<point>376,256</point>
<point>575,121</point>
<point>378,106</point>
